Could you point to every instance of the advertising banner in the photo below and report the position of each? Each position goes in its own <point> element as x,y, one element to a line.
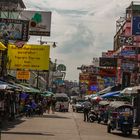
<point>23,75</point>
<point>30,57</point>
<point>13,29</point>
<point>108,62</point>
<point>40,22</point>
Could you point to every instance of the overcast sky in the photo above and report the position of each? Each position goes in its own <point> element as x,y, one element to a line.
<point>83,29</point>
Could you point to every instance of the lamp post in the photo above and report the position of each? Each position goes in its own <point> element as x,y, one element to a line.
<point>48,72</point>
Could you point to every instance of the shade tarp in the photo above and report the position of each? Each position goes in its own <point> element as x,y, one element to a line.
<point>130,90</point>
<point>110,94</point>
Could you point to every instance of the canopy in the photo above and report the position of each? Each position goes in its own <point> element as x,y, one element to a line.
<point>104,103</point>
<point>130,90</point>
<point>110,94</point>
<point>47,93</point>
<point>29,89</point>
<point>108,89</point>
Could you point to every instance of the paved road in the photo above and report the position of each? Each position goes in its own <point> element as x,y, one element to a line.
<point>59,126</point>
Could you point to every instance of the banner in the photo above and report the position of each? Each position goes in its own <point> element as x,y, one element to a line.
<point>40,22</point>
<point>14,29</point>
<point>30,57</point>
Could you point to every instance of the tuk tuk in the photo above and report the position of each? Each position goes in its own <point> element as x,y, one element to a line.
<point>120,117</point>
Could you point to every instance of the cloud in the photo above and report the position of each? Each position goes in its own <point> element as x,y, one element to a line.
<point>82,28</point>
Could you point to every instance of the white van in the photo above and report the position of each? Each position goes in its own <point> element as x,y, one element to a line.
<point>62,103</point>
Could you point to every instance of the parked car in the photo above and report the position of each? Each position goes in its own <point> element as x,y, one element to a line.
<point>78,107</point>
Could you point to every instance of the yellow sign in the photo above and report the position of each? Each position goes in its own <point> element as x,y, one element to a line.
<point>25,75</point>
<point>31,57</point>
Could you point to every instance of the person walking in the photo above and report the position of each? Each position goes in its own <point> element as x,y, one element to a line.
<point>87,107</point>
<point>53,104</point>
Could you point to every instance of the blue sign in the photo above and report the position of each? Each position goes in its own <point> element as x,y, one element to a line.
<point>93,88</point>
<point>136,25</point>
<point>128,52</point>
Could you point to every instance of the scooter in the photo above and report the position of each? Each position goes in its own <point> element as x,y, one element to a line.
<point>92,116</point>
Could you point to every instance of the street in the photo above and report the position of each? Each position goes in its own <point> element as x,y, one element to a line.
<point>59,126</point>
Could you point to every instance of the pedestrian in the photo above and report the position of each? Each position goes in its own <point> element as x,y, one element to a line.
<point>53,104</point>
<point>87,107</point>
<point>49,104</point>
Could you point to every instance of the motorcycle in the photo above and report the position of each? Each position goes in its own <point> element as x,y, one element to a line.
<point>92,116</point>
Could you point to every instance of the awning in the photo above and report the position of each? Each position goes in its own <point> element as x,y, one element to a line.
<point>108,89</point>
<point>130,90</point>
<point>28,89</point>
<point>110,94</point>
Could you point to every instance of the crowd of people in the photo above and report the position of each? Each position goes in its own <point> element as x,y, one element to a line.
<point>43,105</point>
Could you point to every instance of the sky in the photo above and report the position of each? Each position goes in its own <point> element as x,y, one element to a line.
<point>83,29</point>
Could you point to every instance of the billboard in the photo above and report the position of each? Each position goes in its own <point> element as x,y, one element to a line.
<point>136,25</point>
<point>30,57</point>
<point>108,62</point>
<point>40,22</point>
<point>13,29</point>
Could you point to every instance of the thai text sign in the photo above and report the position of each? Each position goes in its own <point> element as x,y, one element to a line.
<point>108,62</point>
<point>31,57</point>
<point>13,29</point>
<point>40,22</point>
<point>23,75</point>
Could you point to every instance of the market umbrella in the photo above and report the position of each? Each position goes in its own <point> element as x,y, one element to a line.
<point>48,93</point>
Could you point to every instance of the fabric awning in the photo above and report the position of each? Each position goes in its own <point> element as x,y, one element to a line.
<point>110,94</point>
<point>130,90</point>
<point>108,89</point>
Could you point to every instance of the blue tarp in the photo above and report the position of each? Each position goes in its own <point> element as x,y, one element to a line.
<point>110,94</point>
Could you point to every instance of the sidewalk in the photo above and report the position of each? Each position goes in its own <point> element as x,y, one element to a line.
<point>60,126</point>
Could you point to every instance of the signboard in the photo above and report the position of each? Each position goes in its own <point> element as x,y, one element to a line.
<point>13,29</point>
<point>23,75</point>
<point>61,67</point>
<point>127,52</point>
<point>136,25</point>
<point>108,62</point>
<point>126,40</point>
<point>31,57</point>
<point>107,72</point>
<point>40,22</point>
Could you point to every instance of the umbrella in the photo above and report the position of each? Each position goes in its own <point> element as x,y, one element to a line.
<point>47,93</point>
<point>130,90</point>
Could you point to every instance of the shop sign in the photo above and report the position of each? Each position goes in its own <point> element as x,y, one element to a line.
<point>61,67</point>
<point>40,22</point>
<point>23,75</point>
<point>128,53</point>
<point>108,62</point>
<point>107,72</point>
<point>126,40</point>
<point>14,29</point>
<point>136,25</point>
